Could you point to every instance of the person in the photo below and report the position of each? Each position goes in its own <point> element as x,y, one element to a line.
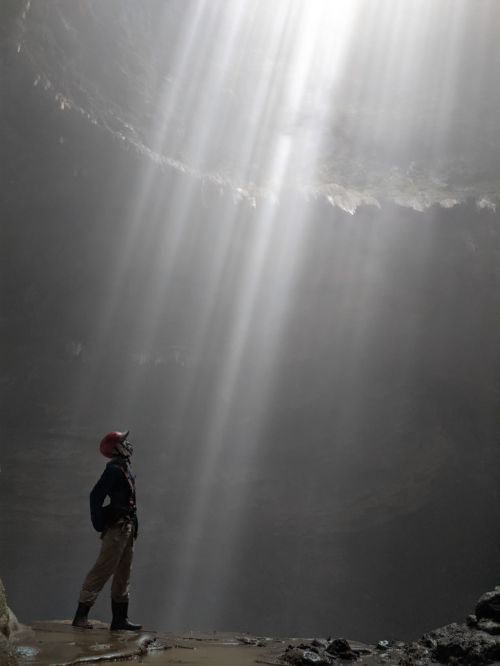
<point>117,522</point>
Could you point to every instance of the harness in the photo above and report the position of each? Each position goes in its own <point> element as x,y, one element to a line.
<point>131,482</point>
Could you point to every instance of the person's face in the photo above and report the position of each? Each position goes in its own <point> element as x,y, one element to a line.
<point>125,448</point>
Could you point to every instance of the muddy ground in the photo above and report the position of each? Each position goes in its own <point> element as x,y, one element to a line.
<point>475,642</point>
<point>57,643</point>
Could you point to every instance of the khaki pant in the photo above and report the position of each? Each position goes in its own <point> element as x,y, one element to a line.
<point>115,559</point>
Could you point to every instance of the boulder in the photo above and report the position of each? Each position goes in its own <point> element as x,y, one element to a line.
<point>340,647</point>
<point>490,626</point>
<point>488,606</point>
<point>458,643</point>
<point>302,656</point>
<point>412,654</point>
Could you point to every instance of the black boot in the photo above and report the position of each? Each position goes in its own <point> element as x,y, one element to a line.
<point>81,619</point>
<point>120,620</point>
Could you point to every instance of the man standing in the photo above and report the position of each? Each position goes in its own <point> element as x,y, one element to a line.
<point>117,522</point>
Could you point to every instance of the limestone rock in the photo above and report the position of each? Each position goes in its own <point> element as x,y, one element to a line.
<point>4,614</point>
<point>458,643</point>
<point>488,606</point>
<point>339,647</point>
<point>302,656</point>
<point>490,626</point>
<point>323,652</point>
<point>7,657</point>
<point>471,620</point>
<point>7,623</point>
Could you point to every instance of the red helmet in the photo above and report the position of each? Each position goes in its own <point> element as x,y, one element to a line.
<point>114,443</point>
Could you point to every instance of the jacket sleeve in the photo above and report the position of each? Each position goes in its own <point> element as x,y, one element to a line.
<point>97,496</point>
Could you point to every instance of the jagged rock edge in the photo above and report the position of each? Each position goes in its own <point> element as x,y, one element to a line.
<point>338,196</point>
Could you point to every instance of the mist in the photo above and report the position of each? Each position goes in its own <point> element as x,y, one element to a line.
<point>273,255</point>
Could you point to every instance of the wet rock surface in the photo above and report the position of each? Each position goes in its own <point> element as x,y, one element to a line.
<point>476,642</point>
<point>59,643</point>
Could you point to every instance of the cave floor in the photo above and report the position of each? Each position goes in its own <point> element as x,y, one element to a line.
<point>57,643</point>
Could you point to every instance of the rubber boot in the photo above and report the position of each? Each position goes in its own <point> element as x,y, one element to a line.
<point>81,620</point>
<point>120,620</point>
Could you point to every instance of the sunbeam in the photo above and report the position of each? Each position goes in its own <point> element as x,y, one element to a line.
<point>263,236</point>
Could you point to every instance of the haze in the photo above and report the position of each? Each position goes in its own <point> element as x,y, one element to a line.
<point>263,237</point>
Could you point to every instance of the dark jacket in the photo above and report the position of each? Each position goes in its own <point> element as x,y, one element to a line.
<point>118,483</point>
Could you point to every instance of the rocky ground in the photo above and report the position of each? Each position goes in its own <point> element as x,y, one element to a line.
<point>57,643</point>
<point>475,642</point>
